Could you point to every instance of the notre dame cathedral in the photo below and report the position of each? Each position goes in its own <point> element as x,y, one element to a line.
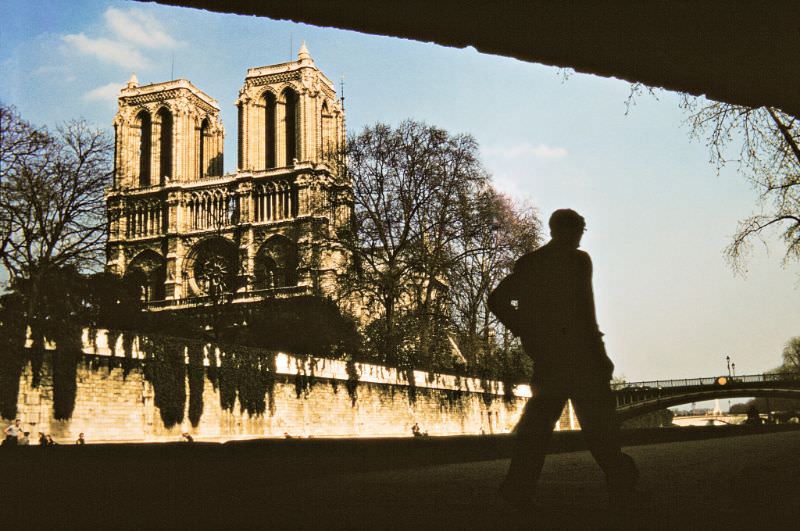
<point>188,231</point>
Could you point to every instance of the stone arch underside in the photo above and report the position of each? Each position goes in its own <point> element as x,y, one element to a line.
<point>654,43</point>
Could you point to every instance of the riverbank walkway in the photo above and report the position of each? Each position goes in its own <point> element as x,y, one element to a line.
<point>750,480</point>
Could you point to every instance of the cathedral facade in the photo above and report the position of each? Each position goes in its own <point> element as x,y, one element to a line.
<point>187,231</point>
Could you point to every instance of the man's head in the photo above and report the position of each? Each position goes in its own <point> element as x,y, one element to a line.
<point>567,227</point>
<point>16,422</point>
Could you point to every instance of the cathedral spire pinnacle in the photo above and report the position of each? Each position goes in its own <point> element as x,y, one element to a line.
<point>303,56</point>
<point>133,82</point>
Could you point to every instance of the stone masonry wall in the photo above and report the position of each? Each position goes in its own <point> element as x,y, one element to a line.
<point>112,406</point>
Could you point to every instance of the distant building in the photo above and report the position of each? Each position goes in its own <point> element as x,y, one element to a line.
<point>187,231</point>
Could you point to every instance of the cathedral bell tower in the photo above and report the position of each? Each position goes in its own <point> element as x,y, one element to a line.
<point>288,114</point>
<point>165,134</point>
<point>290,136</point>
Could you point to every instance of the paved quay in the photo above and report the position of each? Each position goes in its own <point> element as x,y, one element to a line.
<point>747,482</point>
<point>741,482</point>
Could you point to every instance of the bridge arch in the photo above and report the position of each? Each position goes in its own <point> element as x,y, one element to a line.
<point>657,401</point>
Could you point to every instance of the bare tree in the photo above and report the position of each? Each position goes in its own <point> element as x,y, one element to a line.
<point>52,202</point>
<point>20,145</point>
<point>448,224</point>
<point>410,184</point>
<point>53,195</point>
<point>791,356</point>
<point>503,232</point>
<point>769,155</point>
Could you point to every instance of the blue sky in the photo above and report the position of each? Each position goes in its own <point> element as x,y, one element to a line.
<point>658,215</point>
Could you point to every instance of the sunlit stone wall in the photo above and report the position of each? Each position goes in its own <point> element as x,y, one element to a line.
<point>113,406</point>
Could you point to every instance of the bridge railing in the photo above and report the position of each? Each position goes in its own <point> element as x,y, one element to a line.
<point>713,380</point>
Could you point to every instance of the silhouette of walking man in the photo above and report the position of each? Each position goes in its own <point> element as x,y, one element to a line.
<point>548,302</point>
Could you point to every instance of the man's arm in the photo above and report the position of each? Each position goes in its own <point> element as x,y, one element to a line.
<point>588,295</point>
<point>501,303</point>
<point>596,336</point>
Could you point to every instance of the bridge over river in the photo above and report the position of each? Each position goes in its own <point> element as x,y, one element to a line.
<point>638,398</point>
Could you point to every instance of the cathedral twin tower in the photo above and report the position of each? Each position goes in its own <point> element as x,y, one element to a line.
<point>184,230</point>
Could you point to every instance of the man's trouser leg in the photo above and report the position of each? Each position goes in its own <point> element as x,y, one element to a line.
<point>533,435</point>
<point>596,409</point>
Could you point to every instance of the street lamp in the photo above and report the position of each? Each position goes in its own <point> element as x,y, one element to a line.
<point>733,366</point>
<point>728,359</point>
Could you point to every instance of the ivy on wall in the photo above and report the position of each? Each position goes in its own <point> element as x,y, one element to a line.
<point>12,359</point>
<point>36,357</point>
<point>11,363</point>
<point>305,377</point>
<point>249,374</point>
<point>165,369</point>
<point>196,373</point>
<point>256,381</point>
<point>488,397</point>
<point>412,385</point>
<point>65,371</point>
<point>226,379</point>
<point>127,363</point>
<point>352,380</point>
<point>453,399</point>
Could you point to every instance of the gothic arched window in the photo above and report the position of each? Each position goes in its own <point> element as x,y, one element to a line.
<point>327,132</point>
<point>276,263</point>
<point>290,125</point>
<point>148,270</point>
<point>240,136</point>
<point>165,145</point>
<point>269,273</point>
<point>269,129</point>
<point>145,126</point>
<point>202,149</point>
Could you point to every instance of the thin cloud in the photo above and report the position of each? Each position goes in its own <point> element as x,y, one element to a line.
<point>138,27</point>
<point>128,33</point>
<point>107,93</point>
<point>64,72</point>
<point>525,150</point>
<point>107,50</point>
